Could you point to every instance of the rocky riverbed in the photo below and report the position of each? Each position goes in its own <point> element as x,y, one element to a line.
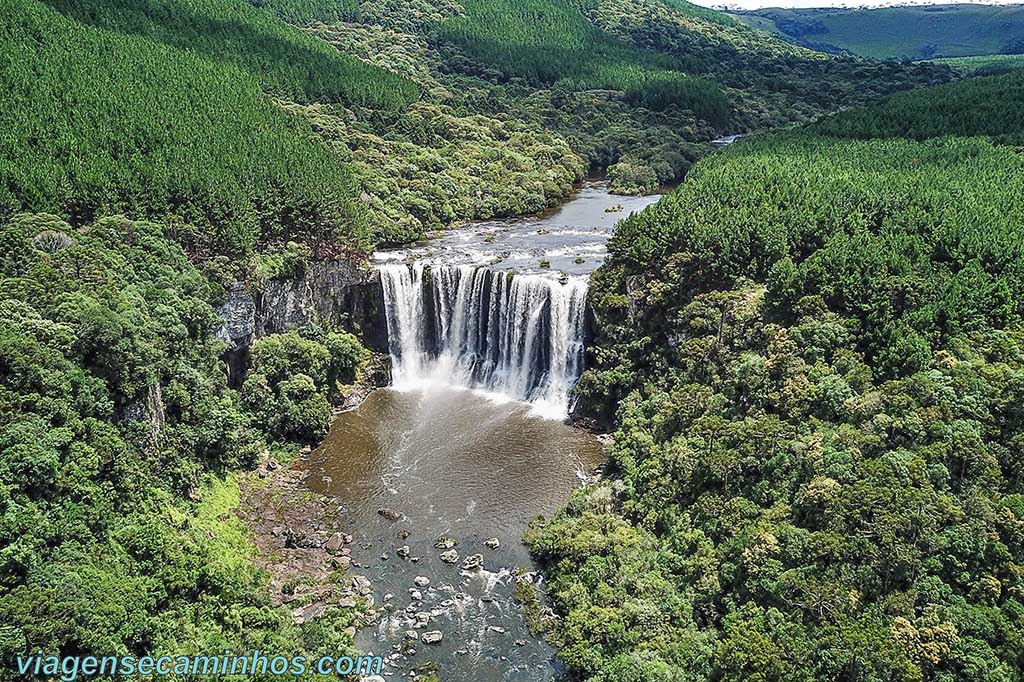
<point>437,489</point>
<point>302,543</point>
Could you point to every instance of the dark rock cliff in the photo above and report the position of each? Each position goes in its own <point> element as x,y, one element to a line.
<point>337,293</point>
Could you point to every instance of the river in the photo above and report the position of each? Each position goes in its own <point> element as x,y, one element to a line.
<point>471,443</point>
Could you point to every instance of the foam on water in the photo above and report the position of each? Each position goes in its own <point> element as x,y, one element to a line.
<point>511,336</point>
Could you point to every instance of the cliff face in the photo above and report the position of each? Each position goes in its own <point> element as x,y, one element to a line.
<point>338,293</point>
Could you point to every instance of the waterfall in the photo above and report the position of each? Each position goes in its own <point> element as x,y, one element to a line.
<point>519,336</point>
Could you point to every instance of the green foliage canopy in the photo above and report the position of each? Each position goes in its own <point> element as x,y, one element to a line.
<point>813,356</point>
<point>116,430</point>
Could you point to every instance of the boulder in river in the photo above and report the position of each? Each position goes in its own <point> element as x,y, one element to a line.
<point>335,542</point>
<point>403,551</point>
<point>450,557</point>
<point>473,562</point>
<point>421,581</point>
<point>492,543</point>
<point>432,637</point>
<point>389,514</point>
<point>361,585</point>
<point>445,542</point>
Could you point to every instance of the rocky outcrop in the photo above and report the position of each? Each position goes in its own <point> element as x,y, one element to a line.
<point>301,544</point>
<point>339,293</point>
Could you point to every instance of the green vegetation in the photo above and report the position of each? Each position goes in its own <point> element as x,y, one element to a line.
<point>208,148</point>
<point>199,140</point>
<point>813,356</point>
<point>117,430</point>
<point>152,153</point>
<point>983,65</point>
<point>446,167</point>
<point>295,377</point>
<point>992,106</point>
<point>547,41</point>
<point>289,63</point>
<point>525,594</point>
<point>654,62</point>
<point>899,32</point>
<point>305,12</point>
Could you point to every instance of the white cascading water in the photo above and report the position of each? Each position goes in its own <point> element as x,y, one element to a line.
<point>518,336</point>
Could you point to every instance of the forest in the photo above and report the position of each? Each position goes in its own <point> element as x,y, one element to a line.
<point>206,148</point>
<point>810,352</point>
<point>120,441</point>
<point>209,148</point>
<point>811,356</point>
<point>989,106</point>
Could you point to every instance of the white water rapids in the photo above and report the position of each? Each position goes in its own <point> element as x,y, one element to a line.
<point>515,336</point>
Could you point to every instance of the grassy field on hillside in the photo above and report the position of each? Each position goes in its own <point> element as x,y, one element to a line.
<point>899,32</point>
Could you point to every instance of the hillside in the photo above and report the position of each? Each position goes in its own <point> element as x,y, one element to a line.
<point>415,80</point>
<point>812,354</point>
<point>159,157</point>
<point>991,106</point>
<point>983,65</point>
<point>899,32</point>
<point>108,113</point>
<point>636,87</point>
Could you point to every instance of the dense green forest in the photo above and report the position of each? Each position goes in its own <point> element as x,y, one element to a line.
<point>288,62</point>
<point>304,12</point>
<point>812,354</point>
<point>153,153</point>
<point>664,53</point>
<point>899,32</point>
<point>398,94</point>
<point>119,435</point>
<point>554,42</point>
<point>991,106</point>
<point>983,65</point>
<point>670,78</point>
<point>99,122</point>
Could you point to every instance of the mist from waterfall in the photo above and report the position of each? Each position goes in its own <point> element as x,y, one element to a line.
<point>520,337</point>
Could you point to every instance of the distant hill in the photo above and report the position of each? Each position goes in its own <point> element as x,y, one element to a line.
<point>923,32</point>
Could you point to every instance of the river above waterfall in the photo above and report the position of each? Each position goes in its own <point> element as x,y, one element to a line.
<point>486,329</point>
<point>570,239</point>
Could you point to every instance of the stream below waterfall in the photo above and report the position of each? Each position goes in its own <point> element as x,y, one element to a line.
<point>486,326</point>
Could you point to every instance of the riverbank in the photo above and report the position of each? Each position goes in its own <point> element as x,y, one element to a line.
<point>432,484</point>
<point>302,543</point>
